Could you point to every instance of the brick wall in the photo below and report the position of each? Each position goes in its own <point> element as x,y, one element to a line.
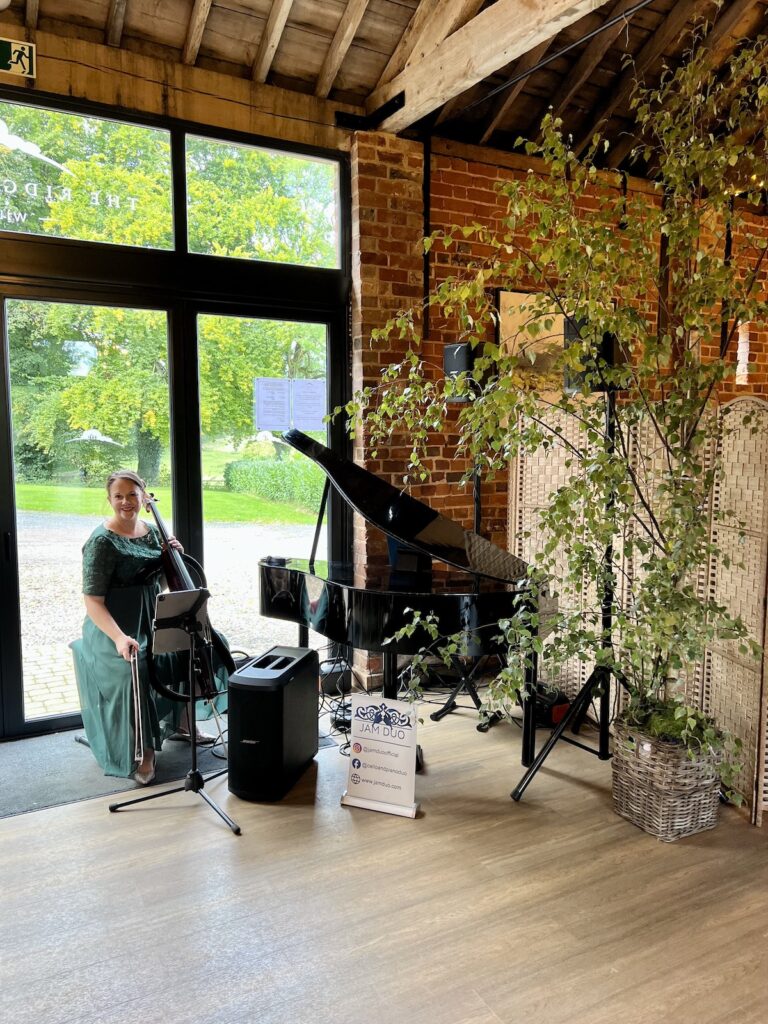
<point>388,225</point>
<point>388,275</point>
<point>387,228</point>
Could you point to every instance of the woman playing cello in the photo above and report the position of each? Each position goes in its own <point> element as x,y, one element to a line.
<point>125,720</point>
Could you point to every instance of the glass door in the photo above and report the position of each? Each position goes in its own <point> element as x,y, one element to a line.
<point>89,393</point>
<point>258,377</point>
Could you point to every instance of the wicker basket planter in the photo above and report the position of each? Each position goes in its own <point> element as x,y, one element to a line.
<point>660,789</point>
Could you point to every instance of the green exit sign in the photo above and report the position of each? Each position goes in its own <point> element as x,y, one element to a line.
<point>18,58</point>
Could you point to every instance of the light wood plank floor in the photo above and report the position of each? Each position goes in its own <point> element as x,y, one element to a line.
<point>551,911</point>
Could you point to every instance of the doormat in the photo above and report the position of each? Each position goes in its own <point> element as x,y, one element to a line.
<point>46,771</point>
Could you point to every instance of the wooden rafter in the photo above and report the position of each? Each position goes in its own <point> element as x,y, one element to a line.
<point>720,43</point>
<point>729,29</point>
<point>270,39</point>
<point>449,109</point>
<point>670,30</point>
<point>115,22</point>
<point>526,63</point>
<point>588,62</point>
<point>195,30</point>
<point>626,143</point>
<point>491,40</point>
<point>345,33</point>
<point>31,13</point>
<point>432,21</point>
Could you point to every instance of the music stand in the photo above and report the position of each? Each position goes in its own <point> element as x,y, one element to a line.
<point>180,624</point>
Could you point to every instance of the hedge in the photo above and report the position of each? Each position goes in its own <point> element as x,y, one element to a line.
<point>297,482</point>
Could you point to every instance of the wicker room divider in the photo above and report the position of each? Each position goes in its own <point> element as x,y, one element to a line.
<point>734,686</point>
<point>728,685</point>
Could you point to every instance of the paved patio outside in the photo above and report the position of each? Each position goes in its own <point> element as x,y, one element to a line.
<point>52,607</point>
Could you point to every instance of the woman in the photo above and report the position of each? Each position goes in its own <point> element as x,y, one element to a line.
<point>111,658</point>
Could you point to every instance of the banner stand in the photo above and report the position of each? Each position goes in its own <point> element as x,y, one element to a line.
<point>379,805</point>
<point>382,756</point>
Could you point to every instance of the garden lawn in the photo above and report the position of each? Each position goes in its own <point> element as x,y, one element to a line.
<point>218,506</point>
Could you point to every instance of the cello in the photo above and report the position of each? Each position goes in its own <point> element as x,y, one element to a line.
<point>174,566</point>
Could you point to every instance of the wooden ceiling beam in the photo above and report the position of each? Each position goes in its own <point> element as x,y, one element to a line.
<point>451,108</point>
<point>270,39</point>
<point>526,63</point>
<point>720,43</point>
<point>432,21</point>
<point>31,13</point>
<point>740,19</point>
<point>424,13</point>
<point>670,30</point>
<point>113,33</point>
<point>618,153</point>
<point>195,30</point>
<point>493,39</point>
<point>590,59</point>
<point>345,33</point>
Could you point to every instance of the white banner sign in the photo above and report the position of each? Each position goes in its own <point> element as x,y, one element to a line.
<point>382,756</point>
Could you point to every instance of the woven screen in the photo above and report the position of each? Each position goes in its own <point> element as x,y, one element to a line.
<point>733,685</point>
<point>728,685</point>
<point>535,478</point>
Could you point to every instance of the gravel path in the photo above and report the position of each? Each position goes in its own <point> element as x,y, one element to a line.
<point>49,548</point>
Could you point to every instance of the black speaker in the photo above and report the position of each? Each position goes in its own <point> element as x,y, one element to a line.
<point>272,722</point>
<point>606,356</point>
<point>458,359</point>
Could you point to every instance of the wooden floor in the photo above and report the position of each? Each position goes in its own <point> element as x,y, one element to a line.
<point>481,910</point>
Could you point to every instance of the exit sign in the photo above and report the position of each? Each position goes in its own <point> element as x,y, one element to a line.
<point>18,58</point>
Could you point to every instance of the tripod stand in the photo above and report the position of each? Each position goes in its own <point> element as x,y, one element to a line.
<point>599,680</point>
<point>189,621</point>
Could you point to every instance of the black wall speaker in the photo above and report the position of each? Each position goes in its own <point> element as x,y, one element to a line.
<point>458,359</point>
<point>272,722</point>
<point>607,355</point>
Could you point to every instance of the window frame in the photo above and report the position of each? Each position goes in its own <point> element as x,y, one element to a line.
<point>184,284</point>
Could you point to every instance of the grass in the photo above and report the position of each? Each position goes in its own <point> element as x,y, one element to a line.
<point>218,506</point>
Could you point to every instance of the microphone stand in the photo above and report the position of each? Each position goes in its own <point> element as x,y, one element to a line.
<point>199,648</point>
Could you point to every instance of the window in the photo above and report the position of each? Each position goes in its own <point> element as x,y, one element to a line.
<point>258,204</point>
<point>69,176</point>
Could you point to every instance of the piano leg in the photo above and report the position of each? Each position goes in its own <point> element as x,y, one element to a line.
<point>389,680</point>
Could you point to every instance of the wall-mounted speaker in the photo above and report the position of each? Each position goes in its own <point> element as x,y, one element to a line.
<point>606,357</point>
<point>458,359</point>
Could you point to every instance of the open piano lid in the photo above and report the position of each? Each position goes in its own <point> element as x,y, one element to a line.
<point>407,519</point>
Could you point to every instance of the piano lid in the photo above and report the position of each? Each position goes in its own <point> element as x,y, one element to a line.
<point>407,519</point>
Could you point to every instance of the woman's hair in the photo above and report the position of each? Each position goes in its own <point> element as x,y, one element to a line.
<point>125,474</point>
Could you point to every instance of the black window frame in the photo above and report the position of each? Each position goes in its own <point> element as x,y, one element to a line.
<point>185,284</point>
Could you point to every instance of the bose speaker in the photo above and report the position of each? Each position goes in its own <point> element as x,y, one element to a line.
<point>272,722</point>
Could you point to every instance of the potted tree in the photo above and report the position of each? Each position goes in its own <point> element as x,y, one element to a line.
<point>665,276</point>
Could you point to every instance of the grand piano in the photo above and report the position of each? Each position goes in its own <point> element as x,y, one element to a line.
<point>436,568</point>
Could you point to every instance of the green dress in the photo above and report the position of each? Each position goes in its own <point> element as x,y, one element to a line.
<point>113,568</point>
